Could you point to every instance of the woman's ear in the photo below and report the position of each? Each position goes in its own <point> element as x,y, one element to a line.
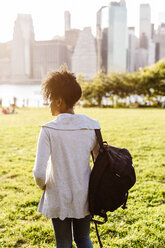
<point>59,102</point>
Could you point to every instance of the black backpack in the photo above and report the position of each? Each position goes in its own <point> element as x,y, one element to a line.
<point>112,176</point>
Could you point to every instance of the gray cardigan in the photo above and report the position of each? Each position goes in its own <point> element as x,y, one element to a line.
<point>62,165</point>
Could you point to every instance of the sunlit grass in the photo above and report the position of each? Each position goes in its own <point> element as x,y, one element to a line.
<point>142,131</point>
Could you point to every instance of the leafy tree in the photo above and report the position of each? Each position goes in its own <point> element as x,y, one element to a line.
<point>148,82</point>
<point>94,90</point>
<point>80,78</point>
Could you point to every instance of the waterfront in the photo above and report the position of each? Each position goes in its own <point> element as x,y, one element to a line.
<point>30,96</point>
<point>26,95</point>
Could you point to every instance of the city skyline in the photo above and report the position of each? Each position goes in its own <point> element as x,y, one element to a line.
<point>83,14</point>
<point>118,49</point>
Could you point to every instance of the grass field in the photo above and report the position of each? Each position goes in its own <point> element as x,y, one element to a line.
<point>142,131</point>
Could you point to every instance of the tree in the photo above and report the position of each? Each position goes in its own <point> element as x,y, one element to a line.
<point>149,82</point>
<point>94,90</point>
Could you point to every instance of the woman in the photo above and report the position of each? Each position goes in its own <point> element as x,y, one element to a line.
<point>68,141</point>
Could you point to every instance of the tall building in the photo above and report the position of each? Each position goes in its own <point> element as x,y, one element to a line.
<point>84,58</point>
<point>161,18</point>
<point>48,56</point>
<point>5,60</point>
<point>159,40</point>
<point>145,24</point>
<point>104,49</point>
<point>131,49</point>
<point>117,36</point>
<point>67,21</point>
<point>5,50</point>
<point>152,31</point>
<point>146,48</point>
<point>144,41</point>
<point>122,3</point>
<point>23,38</point>
<point>71,37</point>
<point>5,68</point>
<point>141,58</point>
<point>99,37</point>
<point>151,52</point>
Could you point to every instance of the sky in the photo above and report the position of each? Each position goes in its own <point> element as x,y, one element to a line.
<point>48,15</point>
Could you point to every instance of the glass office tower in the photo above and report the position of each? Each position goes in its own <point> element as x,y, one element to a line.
<point>117,37</point>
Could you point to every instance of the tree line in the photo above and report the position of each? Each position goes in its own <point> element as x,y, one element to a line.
<point>148,82</point>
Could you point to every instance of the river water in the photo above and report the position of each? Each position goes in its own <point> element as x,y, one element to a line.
<point>26,95</point>
<point>30,96</point>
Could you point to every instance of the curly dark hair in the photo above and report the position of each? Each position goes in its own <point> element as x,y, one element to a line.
<point>61,83</point>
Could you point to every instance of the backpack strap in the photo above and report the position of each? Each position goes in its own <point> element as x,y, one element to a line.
<point>98,236</point>
<point>97,222</point>
<point>124,204</point>
<point>92,157</point>
<point>99,138</point>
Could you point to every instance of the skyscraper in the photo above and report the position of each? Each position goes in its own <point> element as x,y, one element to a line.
<point>71,36</point>
<point>131,49</point>
<point>67,21</point>
<point>141,58</point>
<point>145,25</point>
<point>84,58</point>
<point>48,56</point>
<point>5,60</point>
<point>122,3</point>
<point>23,38</point>
<point>160,42</point>
<point>104,49</point>
<point>151,52</point>
<point>146,33</point>
<point>117,36</point>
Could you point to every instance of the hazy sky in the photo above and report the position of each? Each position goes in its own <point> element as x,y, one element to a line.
<point>48,15</point>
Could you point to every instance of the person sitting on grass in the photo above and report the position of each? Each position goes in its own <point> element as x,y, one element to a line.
<point>7,110</point>
<point>68,140</point>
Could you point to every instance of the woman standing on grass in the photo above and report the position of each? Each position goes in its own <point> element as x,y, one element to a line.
<point>68,141</point>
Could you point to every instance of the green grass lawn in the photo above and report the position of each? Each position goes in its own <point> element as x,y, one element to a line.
<point>142,131</point>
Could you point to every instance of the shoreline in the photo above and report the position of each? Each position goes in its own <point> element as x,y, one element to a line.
<point>21,82</point>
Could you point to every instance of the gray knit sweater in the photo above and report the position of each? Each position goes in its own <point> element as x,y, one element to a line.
<point>62,165</point>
